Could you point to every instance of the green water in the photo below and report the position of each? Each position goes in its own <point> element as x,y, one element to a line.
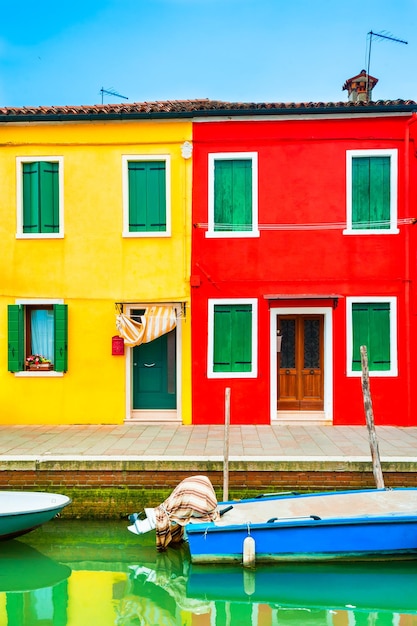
<point>74,573</point>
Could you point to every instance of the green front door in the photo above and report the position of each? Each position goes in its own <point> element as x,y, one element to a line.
<point>154,373</point>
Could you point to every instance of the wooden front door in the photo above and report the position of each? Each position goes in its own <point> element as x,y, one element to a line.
<point>300,363</point>
<point>154,373</point>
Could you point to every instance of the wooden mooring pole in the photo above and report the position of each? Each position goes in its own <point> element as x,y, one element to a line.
<point>226,445</point>
<point>373,441</point>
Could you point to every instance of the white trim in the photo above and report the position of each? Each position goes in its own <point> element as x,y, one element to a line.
<point>392,301</point>
<point>34,301</point>
<point>393,229</point>
<point>126,158</point>
<point>132,414</point>
<point>210,346</point>
<point>228,156</point>
<point>327,313</point>
<point>19,197</point>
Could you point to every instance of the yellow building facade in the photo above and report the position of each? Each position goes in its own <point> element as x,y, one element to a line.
<point>96,220</point>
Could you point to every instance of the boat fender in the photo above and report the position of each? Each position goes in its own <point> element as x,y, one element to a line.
<point>249,552</point>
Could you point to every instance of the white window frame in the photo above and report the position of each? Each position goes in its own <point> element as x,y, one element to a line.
<point>47,373</point>
<point>393,229</point>
<point>210,348</point>
<point>19,197</point>
<point>392,301</point>
<point>229,156</point>
<point>126,159</point>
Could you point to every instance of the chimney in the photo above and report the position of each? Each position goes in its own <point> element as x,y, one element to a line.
<point>360,87</point>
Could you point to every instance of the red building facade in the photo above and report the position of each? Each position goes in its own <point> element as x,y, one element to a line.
<point>304,249</point>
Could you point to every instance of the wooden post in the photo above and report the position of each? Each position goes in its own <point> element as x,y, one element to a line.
<point>226,445</point>
<point>373,441</point>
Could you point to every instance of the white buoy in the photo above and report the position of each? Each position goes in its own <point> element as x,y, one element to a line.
<point>249,552</point>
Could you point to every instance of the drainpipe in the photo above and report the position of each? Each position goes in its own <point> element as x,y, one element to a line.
<point>408,271</point>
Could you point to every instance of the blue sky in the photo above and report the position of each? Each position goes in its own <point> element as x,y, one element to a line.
<point>63,53</point>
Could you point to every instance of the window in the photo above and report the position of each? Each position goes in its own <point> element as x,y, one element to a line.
<point>39,197</point>
<point>372,323</point>
<point>232,338</point>
<point>145,197</point>
<point>371,191</point>
<point>233,195</point>
<point>37,329</point>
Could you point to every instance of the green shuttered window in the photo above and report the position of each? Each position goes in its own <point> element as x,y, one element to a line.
<point>21,336</point>
<point>40,197</point>
<point>232,345</point>
<point>233,195</point>
<point>371,202</point>
<point>371,328</point>
<point>147,196</point>
<point>372,192</point>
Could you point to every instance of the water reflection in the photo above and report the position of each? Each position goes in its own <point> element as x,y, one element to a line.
<point>33,587</point>
<point>78,574</point>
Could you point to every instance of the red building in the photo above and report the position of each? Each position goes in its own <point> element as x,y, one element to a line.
<point>304,249</point>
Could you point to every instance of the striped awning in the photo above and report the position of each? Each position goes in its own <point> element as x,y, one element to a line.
<point>156,321</point>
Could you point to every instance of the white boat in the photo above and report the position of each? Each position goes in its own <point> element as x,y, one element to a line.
<point>23,511</point>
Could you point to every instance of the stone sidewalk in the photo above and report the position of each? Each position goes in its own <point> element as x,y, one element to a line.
<point>167,441</point>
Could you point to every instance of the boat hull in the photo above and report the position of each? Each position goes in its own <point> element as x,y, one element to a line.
<point>21,511</point>
<point>389,535</point>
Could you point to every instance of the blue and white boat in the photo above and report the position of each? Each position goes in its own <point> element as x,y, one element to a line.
<point>347,525</point>
<point>23,511</point>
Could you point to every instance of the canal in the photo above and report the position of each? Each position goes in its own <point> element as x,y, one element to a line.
<point>91,573</point>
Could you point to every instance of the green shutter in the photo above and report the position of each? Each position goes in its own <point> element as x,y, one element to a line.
<point>147,196</point>
<point>61,337</point>
<point>31,213</point>
<point>371,328</point>
<point>232,351</point>
<point>49,196</point>
<point>233,195</point>
<point>16,338</point>
<point>379,334</point>
<point>40,197</point>
<point>371,193</point>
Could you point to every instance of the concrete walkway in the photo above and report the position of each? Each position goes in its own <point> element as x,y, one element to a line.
<point>170,442</point>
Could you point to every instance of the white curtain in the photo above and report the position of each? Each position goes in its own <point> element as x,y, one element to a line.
<point>156,321</point>
<point>42,333</point>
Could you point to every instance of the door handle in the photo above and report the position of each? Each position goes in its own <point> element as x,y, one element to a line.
<point>287,371</point>
<point>149,364</point>
<point>311,371</point>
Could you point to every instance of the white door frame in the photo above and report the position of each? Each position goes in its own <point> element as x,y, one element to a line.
<point>327,313</point>
<point>155,414</point>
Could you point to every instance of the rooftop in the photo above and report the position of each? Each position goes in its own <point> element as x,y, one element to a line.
<point>197,108</point>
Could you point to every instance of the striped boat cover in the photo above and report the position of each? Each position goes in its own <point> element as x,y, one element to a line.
<point>156,321</point>
<point>193,497</point>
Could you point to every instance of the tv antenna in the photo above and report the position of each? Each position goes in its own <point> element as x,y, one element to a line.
<point>383,35</point>
<point>111,92</point>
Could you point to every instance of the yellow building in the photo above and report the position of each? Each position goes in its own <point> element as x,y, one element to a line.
<point>95,223</point>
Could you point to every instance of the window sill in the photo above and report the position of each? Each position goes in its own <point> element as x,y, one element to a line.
<point>370,231</point>
<point>147,233</point>
<point>232,234</point>
<point>39,235</point>
<point>38,374</point>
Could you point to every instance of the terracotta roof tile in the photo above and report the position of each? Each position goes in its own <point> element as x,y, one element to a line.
<point>191,108</point>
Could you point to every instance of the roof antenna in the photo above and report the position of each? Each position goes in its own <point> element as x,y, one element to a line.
<point>111,92</point>
<point>382,35</point>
